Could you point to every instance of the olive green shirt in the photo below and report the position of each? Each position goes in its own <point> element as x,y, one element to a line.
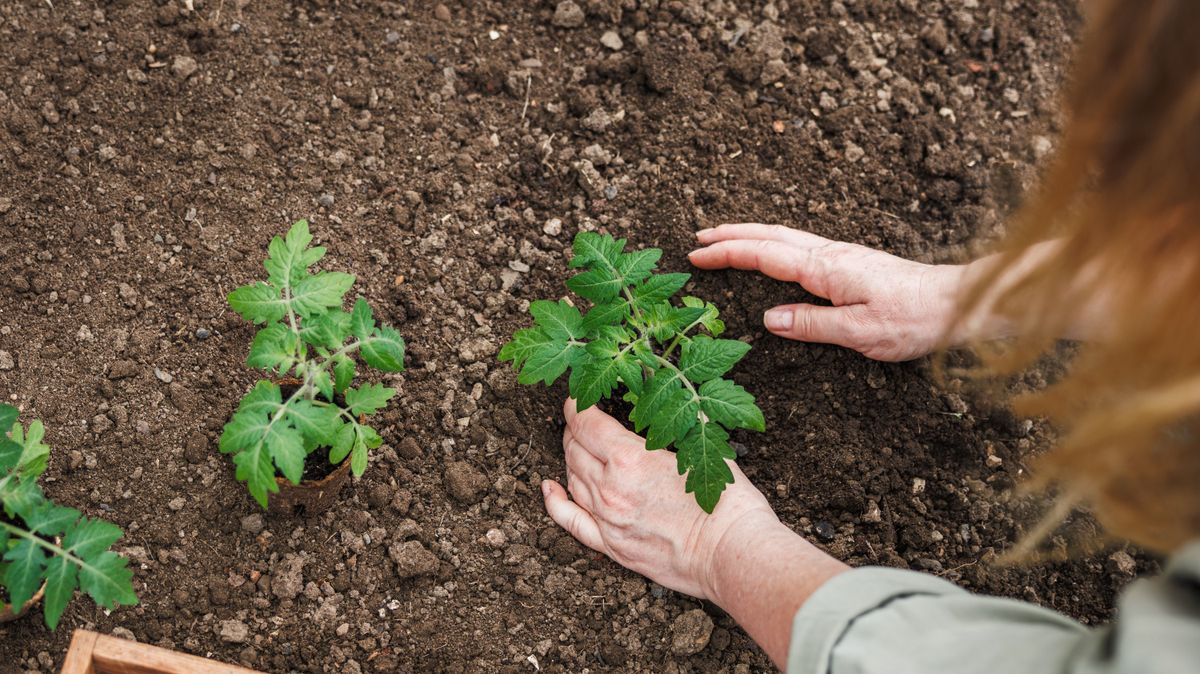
<point>875,620</point>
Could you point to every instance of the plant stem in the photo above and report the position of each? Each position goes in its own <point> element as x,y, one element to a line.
<point>682,377</point>
<point>57,550</point>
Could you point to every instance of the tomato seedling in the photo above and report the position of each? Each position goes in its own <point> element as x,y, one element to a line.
<point>306,333</point>
<point>45,543</point>
<point>635,337</point>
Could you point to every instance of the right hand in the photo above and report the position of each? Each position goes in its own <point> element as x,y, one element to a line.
<point>885,307</point>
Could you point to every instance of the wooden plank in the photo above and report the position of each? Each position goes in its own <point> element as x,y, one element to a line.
<point>93,653</point>
<point>79,654</point>
<point>118,656</point>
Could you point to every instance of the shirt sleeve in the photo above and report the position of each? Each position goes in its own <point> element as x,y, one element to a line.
<point>877,620</point>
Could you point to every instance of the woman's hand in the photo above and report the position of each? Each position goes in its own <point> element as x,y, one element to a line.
<point>630,504</point>
<point>884,307</point>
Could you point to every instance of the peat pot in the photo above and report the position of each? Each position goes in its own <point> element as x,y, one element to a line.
<point>7,613</point>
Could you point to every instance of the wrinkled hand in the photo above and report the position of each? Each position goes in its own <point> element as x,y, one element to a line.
<point>884,307</point>
<point>630,504</point>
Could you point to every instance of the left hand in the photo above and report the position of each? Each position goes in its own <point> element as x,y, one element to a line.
<point>630,504</point>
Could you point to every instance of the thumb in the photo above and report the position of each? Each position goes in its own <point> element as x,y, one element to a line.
<point>568,515</point>
<point>811,323</point>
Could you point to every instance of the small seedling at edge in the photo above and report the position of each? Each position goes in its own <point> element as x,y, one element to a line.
<point>306,333</point>
<point>43,542</point>
<point>634,336</point>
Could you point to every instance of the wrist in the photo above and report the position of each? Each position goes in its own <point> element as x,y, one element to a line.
<point>725,564</point>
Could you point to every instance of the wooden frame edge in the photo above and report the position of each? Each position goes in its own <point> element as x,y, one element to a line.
<point>92,653</point>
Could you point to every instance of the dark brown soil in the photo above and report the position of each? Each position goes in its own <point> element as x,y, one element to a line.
<point>148,153</point>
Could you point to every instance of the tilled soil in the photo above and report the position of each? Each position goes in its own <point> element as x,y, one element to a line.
<point>446,154</point>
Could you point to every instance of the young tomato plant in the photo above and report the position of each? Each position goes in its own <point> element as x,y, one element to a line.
<point>43,542</point>
<point>307,334</point>
<point>634,336</point>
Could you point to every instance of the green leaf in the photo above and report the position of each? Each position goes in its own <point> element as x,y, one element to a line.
<point>316,423</point>
<point>343,443</point>
<point>559,319</point>
<point>549,361</point>
<point>635,266</point>
<point>35,454</point>
<point>50,519</point>
<point>343,372</point>
<point>320,292</point>
<point>275,347</point>
<point>596,250</point>
<point>365,438</point>
<point>368,398</point>
<point>605,314</point>
<point>108,580</point>
<point>327,330</point>
<point>288,260</point>
<point>730,405</point>
<point>10,454</point>
<point>663,321</point>
<point>24,573</point>
<point>90,537</point>
<point>259,302</point>
<point>711,318</point>
<point>663,387</point>
<point>384,350</point>
<point>524,344</point>
<point>659,288</point>
<point>323,382</point>
<point>255,468</point>
<point>8,417</point>
<point>704,358</point>
<point>703,455</point>
<point>597,285</point>
<point>678,414</point>
<point>61,581</point>
<point>362,320</point>
<point>593,380</point>
<point>286,447</point>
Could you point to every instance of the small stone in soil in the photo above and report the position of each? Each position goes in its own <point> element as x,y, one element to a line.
<point>252,523</point>
<point>203,334</point>
<point>568,15</point>
<point>413,560</point>
<point>825,531</point>
<point>7,362</point>
<point>325,200</point>
<point>234,631</point>
<point>464,482</point>
<point>184,66</point>
<point>690,632</point>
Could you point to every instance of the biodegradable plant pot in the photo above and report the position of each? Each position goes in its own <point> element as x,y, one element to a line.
<point>7,614</point>
<point>310,497</point>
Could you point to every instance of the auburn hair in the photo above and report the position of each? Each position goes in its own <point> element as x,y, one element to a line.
<point>1122,198</point>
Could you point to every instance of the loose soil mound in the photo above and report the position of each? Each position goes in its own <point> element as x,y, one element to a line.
<point>447,155</point>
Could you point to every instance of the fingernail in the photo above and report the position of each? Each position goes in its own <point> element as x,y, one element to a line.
<point>695,251</point>
<point>704,231</point>
<point>545,488</point>
<point>778,319</point>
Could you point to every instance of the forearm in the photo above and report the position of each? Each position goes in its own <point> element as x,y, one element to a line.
<point>986,323</point>
<point>762,573</point>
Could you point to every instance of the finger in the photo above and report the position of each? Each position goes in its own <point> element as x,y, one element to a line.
<point>806,266</point>
<point>571,517</point>
<point>811,323</point>
<point>580,490</point>
<point>760,232</point>
<point>581,461</point>
<point>598,433</point>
